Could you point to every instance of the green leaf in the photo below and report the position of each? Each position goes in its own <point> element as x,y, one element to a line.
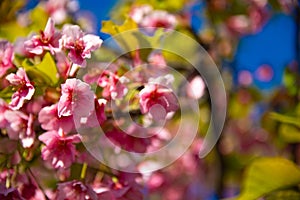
<point>6,93</point>
<point>44,72</point>
<point>284,195</point>
<point>48,67</point>
<point>266,175</point>
<point>285,119</point>
<point>39,19</point>
<point>12,30</point>
<point>113,29</point>
<point>289,133</point>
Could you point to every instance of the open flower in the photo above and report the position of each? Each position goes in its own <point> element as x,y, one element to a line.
<point>76,95</point>
<point>6,56</point>
<point>60,149</point>
<point>25,89</point>
<point>157,100</point>
<point>80,45</point>
<point>47,40</point>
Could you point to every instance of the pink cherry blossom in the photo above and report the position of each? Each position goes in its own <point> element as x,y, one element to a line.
<point>157,100</point>
<point>76,96</point>
<point>79,44</point>
<point>75,190</point>
<point>258,17</point>
<point>3,107</point>
<point>128,142</point>
<point>97,117</point>
<point>6,56</point>
<point>20,126</point>
<point>125,189</point>
<point>48,117</point>
<point>251,23</point>
<point>264,73</point>
<point>9,193</point>
<point>238,24</point>
<point>151,19</point>
<point>63,64</point>
<point>137,13</point>
<point>35,105</point>
<point>113,86</point>
<point>25,89</point>
<point>159,19</point>
<point>157,59</point>
<point>47,40</point>
<point>60,149</point>
<point>245,78</point>
<point>59,9</point>
<point>196,88</point>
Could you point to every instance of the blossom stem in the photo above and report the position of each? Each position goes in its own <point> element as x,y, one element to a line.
<point>73,70</point>
<point>38,184</point>
<point>83,170</point>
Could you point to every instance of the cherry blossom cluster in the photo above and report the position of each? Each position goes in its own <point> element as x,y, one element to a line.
<point>46,121</point>
<point>42,115</point>
<point>45,118</point>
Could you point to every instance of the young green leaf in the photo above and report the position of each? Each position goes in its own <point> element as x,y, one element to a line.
<point>266,175</point>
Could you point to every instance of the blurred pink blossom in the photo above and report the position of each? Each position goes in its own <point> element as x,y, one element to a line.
<point>196,88</point>
<point>63,64</point>
<point>75,190</point>
<point>6,56</point>
<point>3,107</point>
<point>157,100</point>
<point>157,59</point>
<point>257,16</point>
<point>264,73</point>
<point>128,142</point>
<point>48,117</point>
<point>20,126</point>
<point>60,149</point>
<point>79,44</point>
<point>123,189</point>
<point>47,40</point>
<point>245,78</point>
<point>97,116</point>
<point>25,89</point>
<point>151,19</point>
<point>113,86</point>
<point>76,96</point>
<point>59,9</point>
<point>9,193</point>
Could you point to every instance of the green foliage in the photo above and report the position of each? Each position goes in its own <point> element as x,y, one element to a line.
<point>44,73</point>
<point>284,195</point>
<point>289,133</point>
<point>111,28</point>
<point>11,30</point>
<point>6,93</point>
<point>290,81</point>
<point>266,175</point>
<point>9,8</point>
<point>285,119</point>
